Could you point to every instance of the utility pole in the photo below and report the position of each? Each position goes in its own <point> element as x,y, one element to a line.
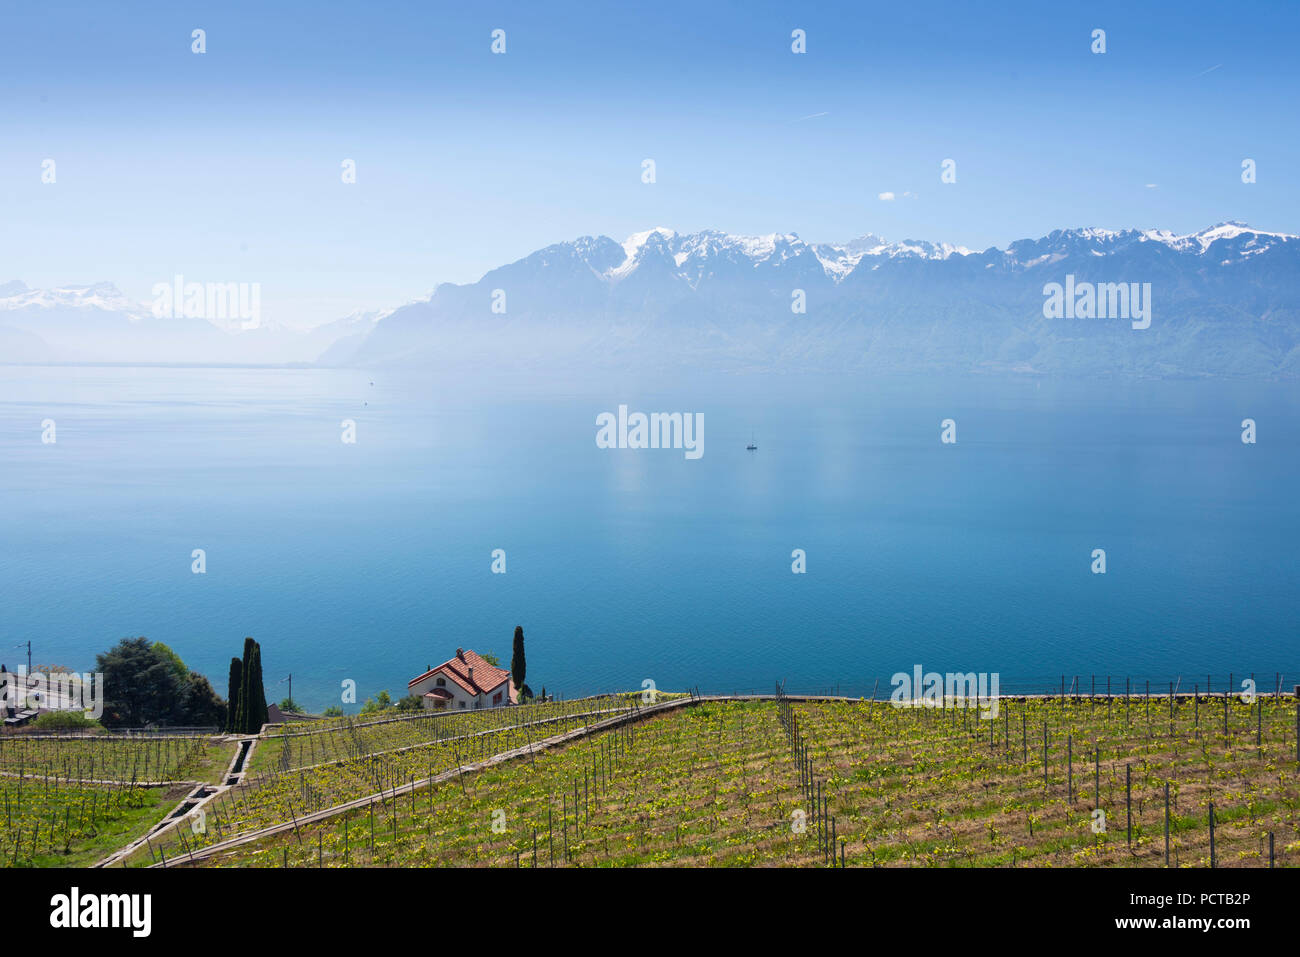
<point>28,645</point>
<point>288,678</point>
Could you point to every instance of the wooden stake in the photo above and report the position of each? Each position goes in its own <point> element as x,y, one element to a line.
<point>1044,755</point>
<point>1128,800</point>
<point>1212,855</point>
<point>1166,824</point>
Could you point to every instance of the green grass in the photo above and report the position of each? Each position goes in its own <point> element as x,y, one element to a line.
<point>210,763</point>
<point>74,826</point>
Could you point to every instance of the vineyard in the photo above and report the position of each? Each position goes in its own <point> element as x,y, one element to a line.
<point>89,757</point>
<point>835,783</point>
<point>67,800</point>
<point>1055,781</point>
<point>49,822</point>
<point>293,746</point>
<point>372,759</point>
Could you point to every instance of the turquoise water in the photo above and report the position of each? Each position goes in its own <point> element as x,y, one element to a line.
<point>371,561</point>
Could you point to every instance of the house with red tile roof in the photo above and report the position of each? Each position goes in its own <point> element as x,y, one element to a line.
<point>464,682</point>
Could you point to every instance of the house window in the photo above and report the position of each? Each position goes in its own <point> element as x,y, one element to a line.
<point>442,682</point>
<point>496,699</point>
<point>462,704</point>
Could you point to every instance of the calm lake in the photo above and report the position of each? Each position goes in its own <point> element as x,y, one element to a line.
<point>371,560</point>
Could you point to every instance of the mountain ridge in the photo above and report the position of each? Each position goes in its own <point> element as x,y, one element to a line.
<point>1227,302</point>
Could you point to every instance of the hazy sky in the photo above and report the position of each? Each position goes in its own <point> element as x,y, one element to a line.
<point>226,166</point>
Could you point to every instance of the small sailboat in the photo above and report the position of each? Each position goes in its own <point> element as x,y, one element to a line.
<point>751,447</point>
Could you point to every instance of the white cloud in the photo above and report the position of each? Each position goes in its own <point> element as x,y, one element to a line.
<point>887,197</point>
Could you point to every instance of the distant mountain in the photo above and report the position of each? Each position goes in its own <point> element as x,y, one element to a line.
<point>96,323</point>
<point>1225,301</point>
<point>336,343</point>
<point>92,323</point>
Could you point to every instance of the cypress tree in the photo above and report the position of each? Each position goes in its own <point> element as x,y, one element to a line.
<point>518,666</point>
<point>255,712</point>
<point>245,689</point>
<point>232,705</point>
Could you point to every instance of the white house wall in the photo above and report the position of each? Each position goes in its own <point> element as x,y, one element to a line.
<point>458,694</point>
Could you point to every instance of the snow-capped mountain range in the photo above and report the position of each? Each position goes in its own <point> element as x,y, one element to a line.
<point>97,323</point>
<point>1225,301</point>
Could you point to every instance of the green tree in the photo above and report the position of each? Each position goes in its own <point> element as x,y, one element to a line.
<point>232,704</point>
<point>252,695</point>
<point>203,706</point>
<point>148,683</point>
<point>518,666</point>
<point>140,685</point>
<point>410,703</point>
<point>382,702</point>
<point>182,671</point>
<point>241,715</point>
<point>490,658</point>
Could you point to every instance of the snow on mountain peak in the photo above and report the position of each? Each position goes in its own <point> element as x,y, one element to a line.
<point>691,251</point>
<point>1231,230</point>
<point>633,245</point>
<point>694,255</point>
<point>1201,241</point>
<point>100,295</point>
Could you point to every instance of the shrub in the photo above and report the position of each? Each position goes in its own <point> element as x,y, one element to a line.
<point>65,721</point>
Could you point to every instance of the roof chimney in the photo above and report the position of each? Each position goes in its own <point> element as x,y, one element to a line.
<point>460,653</point>
<point>471,674</point>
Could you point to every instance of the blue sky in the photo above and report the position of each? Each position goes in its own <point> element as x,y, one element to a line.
<point>226,166</point>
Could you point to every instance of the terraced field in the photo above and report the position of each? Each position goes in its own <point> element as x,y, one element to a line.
<point>69,800</point>
<point>944,787</point>
<point>860,783</point>
<point>105,757</point>
<point>287,793</point>
<point>294,746</point>
<point>54,824</point>
<point>1060,782</point>
<point>686,788</point>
